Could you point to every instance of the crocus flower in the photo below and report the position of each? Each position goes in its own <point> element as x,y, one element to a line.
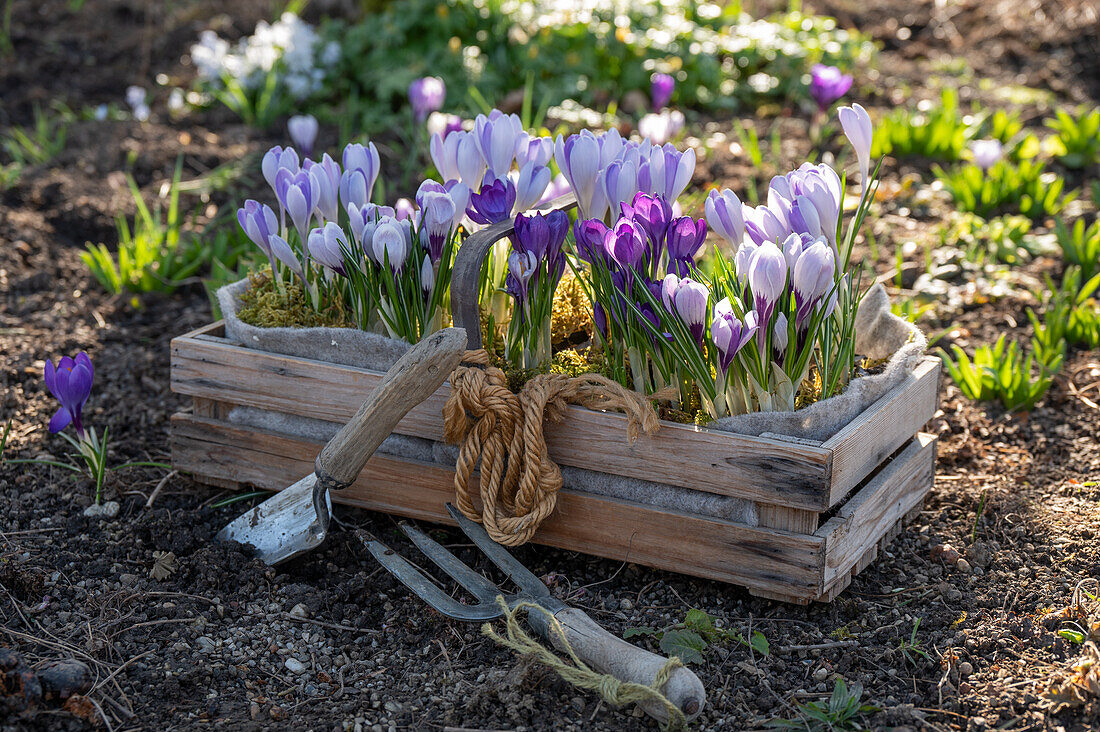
<point>427,274</point>
<point>856,124</point>
<point>723,210</point>
<point>303,131</point>
<point>298,194</point>
<point>403,209</point>
<point>742,259</point>
<point>578,158</point>
<point>589,235</point>
<point>437,214</point>
<point>532,182</point>
<point>326,175</point>
<point>259,223</point>
<point>537,149</point>
<point>442,124</point>
<point>683,241</point>
<point>469,160</point>
<point>361,168</point>
<point>426,95</point>
<point>661,87</point>
<point>812,278</point>
<point>493,203</point>
<point>767,277</point>
<point>363,220</point>
<point>444,152</point>
<point>71,383</point>
<point>327,245</point>
<point>521,268</point>
<point>729,333</point>
<point>389,242</point>
<point>653,214</point>
<point>282,251</point>
<point>620,183</point>
<point>276,159</point>
<point>762,224</point>
<point>625,243</point>
<point>543,235</point>
<point>671,171</point>
<point>827,84</point>
<point>687,299</point>
<point>779,336</point>
<point>660,127</point>
<point>986,153</point>
<point>496,137</point>
<point>460,194</point>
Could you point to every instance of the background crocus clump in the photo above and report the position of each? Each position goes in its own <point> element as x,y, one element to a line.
<point>426,95</point>
<point>828,84</point>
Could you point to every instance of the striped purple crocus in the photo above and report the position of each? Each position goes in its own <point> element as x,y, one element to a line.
<point>71,384</point>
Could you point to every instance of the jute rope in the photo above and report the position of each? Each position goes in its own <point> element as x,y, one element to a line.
<point>579,674</point>
<point>519,482</point>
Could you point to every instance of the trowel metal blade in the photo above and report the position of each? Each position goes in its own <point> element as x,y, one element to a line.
<point>284,525</point>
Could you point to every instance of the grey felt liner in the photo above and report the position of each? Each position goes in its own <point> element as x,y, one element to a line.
<point>879,334</point>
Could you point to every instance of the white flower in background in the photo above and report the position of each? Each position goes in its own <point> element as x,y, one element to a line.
<point>289,46</point>
<point>135,97</point>
<point>661,127</point>
<point>175,101</point>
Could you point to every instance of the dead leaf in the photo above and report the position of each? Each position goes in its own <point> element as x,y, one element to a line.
<point>164,565</point>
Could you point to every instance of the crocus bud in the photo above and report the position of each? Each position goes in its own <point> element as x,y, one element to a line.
<point>444,152</point>
<point>298,194</point>
<point>426,95</point>
<point>779,335</point>
<point>578,158</point>
<point>303,131</point>
<point>427,274</point>
<point>259,223</point>
<point>532,182</point>
<point>653,214</point>
<point>620,183</point>
<point>496,136</point>
<point>661,87</point>
<point>390,243</point>
<point>685,238</point>
<point>404,209</point>
<point>625,243</point>
<point>767,279</point>
<point>327,245</point>
<point>742,259</point>
<point>723,210</point>
<point>589,235</point>
<point>521,267</point>
<point>361,168</point>
<point>469,160</point>
<point>986,153</point>
<point>671,171</point>
<point>326,175</point>
<point>729,333</point>
<point>441,124</point>
<point>811,278</point>
<point>437,212</point>
<point>282,252</point>
<point>71,384</point>
<point>687,299</point>
<point>533,149</point>
<point>827,84</point>
<point>276,159</point>
<point>856,124</point>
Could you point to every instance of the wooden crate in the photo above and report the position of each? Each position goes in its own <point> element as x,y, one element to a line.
<point>823,507</point>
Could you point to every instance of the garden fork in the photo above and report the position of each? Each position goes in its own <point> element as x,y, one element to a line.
<point>591,643</point>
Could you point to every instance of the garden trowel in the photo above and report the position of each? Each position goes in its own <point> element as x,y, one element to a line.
<point>297,518</point>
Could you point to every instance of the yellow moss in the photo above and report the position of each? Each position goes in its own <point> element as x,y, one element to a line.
<point>571,311</point>
<point>810,390</point>
<point>263,306</point>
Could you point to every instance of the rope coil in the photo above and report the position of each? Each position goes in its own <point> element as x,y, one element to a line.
<point>579,674</point>
<point>519,483</point>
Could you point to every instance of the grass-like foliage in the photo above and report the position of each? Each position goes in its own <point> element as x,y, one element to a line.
<point>1002,373</point>
<point>1077,137</point>
<point>34,145</point>
<point>1071,314</point>
<point>1001,239</point>
<point>1080,245</point>
<point>843,711</point>
<point>1025,188</point>
<point>939,134</point>
<point>690,638</point>
<point>154,254</point>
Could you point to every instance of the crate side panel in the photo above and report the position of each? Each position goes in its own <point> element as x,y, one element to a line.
<point>769,560</point>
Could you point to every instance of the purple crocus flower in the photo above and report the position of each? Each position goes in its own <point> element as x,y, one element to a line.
<point>327,245</point>
<point>671,170</point>
<point>496,137</point>
<point>522,266</point>
<point>762,224</point>
<point>653,214</point>
<point>828,84</point>
<point>437,214</point>
<point>811,278</point>
<point>986,152</point>
<point>683,241</point>
<point>661,87</point>
<point>729,333</point>
<point>578,158</point>
<point>532,182</point>
<point>303,131</point>
<point>856,124</point>
<point>536,149</point>
<point>326,175</point>
<point>276,159</point>
<point>589,235</point>
<point>390,241</point>
<point>767,277</point>
<point>493,203</point>
<point>71,384</point>
<point>298,194</point>
<point>426,95</point>
<point>724,216</point>
<point>259,223</point>
<point>470,162</point>
<point>361,168</point>
<point>543,235</point>
<point>444,151</point>
<point>625,243</point>
<point>687,299</point>
<point>620,184</point>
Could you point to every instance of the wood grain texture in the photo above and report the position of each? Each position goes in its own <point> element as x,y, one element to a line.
<point>416,376</point>
<point>774,471</point>
<point>882,428</point>
<point>877,509</point>
<point>466,272</point>
<point>766,559</point>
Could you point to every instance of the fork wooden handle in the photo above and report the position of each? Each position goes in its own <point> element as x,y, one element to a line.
<point>612,655</point>
<point>411,380</point>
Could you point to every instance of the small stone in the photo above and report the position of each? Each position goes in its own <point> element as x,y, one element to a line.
<point>965,669</point>
<point>944,553</point>
<point>294,665</point>
<point>963,566</point>
<point>627,604</point>
<point>205,644</point>
<point>299,611</point>
<point>254,710</point>
<point>102,510</point>
<point>821,674</point>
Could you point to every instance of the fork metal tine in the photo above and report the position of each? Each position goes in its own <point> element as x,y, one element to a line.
<point>423,588</point>
<point>477,585</point>
<point>528,583</point>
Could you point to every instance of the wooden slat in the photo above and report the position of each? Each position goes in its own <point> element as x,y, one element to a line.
<point>772,471</point>
<point>882,428</point>
<point>876,509</point>
<point>767,560</point>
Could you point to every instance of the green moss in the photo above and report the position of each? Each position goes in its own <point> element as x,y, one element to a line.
<point>264,306</point>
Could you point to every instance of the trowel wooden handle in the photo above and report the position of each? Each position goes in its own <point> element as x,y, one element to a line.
<point>411,380</point>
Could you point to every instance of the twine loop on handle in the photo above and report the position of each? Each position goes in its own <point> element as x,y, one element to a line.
<point>519,482</point>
